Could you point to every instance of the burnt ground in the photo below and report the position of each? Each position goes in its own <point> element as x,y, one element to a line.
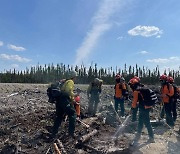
<point>27,118</point>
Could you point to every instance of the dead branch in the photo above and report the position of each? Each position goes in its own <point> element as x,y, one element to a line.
<point>56,148</point>
<point>87,136</point>
<point>84,124</point>
<point>61,147</point>
<point>91,148</point>
<point>48,150</point>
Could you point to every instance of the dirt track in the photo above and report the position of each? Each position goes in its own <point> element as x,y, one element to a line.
<point>27,117</point>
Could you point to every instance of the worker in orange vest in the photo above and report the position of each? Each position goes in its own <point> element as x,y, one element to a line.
<point>167,91</point>
<point>120,93</point>
<point>144,118</point>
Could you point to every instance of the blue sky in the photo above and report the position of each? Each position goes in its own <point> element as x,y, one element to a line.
<point>106,32</point>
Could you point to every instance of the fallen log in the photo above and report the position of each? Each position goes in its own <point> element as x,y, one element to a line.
<point>61,147</point>
<point>13,94</point>
<point>90,121</point>
<point>84,124</point>
<point>86,137</point>
<point>56,148</point>
<point>94,150</point>
<point>48,150</point>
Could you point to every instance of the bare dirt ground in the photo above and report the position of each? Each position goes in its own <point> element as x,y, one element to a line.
<point>27,118</point>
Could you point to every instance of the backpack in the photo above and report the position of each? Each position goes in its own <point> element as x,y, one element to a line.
<point>176,93</point>
<point>149,98</point>
<point>54,91</point>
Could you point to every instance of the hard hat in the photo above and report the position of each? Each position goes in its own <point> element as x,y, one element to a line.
<point>98,81</point>
<point>163,77</point>
<point>72,74</point>
<point>137,78</point>
<point>77,98</point>
<point>170,79</point>
<point>133,81</point>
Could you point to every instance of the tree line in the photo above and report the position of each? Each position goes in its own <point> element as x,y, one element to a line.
<point>51,73</point>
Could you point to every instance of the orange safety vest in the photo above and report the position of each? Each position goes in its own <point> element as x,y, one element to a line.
<point>118,89</point>
<point>167,91</point>
<point>135,100</point>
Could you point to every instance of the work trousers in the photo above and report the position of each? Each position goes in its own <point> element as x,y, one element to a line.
<point>168,111</point>
<point>64,107</point>
<point>134,114</point>
<point>116,105</point>
<point>174,112</point>
<point>93,104</point>
<point>144,119</point>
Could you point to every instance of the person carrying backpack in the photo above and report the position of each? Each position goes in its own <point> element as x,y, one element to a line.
<point>93,92</point>
<point>53,90</point>
<point>173,99</point>
<point>167,91</point>
<point>65,106</point>
<point>135,110</point>
<point>144,109</point>
<point>120,94</point>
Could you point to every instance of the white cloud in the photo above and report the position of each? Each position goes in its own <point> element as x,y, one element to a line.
<point>120,38</point>
<point>1,43</point>
<point>164,60</point>
<point>15,66</point>
<point>14,58</point>
<point>159,36</point>
<point>16,48</point>
<point>143,52</point>
<point>145,31</point>
<point>158,60</point>
<point>101,23</point>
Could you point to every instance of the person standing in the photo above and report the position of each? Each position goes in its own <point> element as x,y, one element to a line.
<point>135,110</point>
<point>120,93</point>
<point>65,105</point>
<point>93,94</point>
<point>173,99</point>
<point>167,91</point>
<point>144,118</point>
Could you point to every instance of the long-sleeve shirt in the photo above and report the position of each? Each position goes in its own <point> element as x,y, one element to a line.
<point>167,91</point>
<point>68,87</point>
<point>135,100</point>
<point>119,88</point>
<point>94,89</point>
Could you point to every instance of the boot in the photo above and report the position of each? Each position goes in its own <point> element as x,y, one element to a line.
<point>151,140</point>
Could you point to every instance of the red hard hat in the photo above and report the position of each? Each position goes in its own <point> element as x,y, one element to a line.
<point>163,77</point>
<point>77,98</point>
<point>170,79</point>
<point>137,78</point>
<point>133,81</point>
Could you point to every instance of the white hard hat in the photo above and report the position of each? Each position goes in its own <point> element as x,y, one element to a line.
<point>72,74</point>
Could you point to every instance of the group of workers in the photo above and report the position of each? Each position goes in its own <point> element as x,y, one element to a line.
<point>68,102</point>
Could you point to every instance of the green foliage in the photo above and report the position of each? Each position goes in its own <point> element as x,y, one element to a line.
<point>51,73</point>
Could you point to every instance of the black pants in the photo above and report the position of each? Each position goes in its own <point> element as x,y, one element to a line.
<point>144,119</point>
<point>168,111</point>
<point>174,112</point>
<point>64,107</point>
<point>162,112</point>
<point>93,104</point>
<point>116,104</point>
<point>134,114</point>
